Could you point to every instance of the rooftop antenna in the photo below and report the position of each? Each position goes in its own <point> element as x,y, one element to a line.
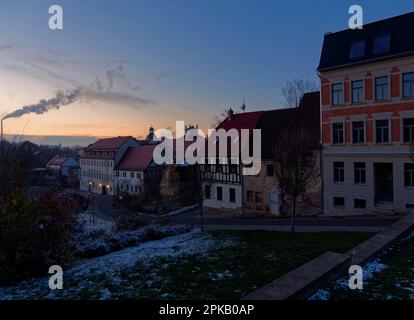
<point>243,107</point>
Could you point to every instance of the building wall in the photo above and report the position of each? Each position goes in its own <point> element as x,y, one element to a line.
<point>130,182</point>
<point>97,172</point>
<point>350,191</point>
<point>394,109</point>
<point>225,203</point>
<point>262,184</point>
<point>227,177</point>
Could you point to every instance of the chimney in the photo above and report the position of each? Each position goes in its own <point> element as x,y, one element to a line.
<point>230,114</point>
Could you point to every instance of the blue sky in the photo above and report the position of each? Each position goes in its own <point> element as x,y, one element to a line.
<point>192,58</point>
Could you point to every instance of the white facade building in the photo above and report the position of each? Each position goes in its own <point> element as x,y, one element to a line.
<point>97,163</point>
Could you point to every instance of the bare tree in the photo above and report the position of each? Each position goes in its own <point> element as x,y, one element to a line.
<point>296,156</point>
<point>294,90</point>
<point>220,118</point>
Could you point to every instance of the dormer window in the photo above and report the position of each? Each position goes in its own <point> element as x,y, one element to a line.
<point>357,50</point>
<point>382,44</point>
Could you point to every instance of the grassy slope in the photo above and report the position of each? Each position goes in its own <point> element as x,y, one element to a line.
<point>257,258</point>
<point>219,265</point>
<point>395,282</point>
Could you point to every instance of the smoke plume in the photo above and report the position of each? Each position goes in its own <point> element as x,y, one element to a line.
<point>101,90</point>
<point>61,99</point>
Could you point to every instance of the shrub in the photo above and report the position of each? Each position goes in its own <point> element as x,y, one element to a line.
<point>34,234</point>
<point>129,223</point>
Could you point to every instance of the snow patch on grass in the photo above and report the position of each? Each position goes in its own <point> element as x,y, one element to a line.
<point>369,271</point>
<point>321,294</point>
<point>92,276</point>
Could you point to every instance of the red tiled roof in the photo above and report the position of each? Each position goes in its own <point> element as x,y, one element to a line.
<point>239,121</point>
<point>246,120</point>
<point>137,158</point>
<point>108,143</point>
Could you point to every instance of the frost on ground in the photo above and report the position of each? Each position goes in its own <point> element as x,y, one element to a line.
<point>96,278</point>
<point>92,223</point>
<point>369,271</point>
<point>100,238</point>
<point>390,277</point>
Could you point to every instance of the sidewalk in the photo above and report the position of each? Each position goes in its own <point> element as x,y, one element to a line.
<point>298,228</point>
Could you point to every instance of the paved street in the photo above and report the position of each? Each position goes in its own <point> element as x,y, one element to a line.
<point>105,210</point>
<point>362,224</point>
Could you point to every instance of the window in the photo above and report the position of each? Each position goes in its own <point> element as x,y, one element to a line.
<point>219,168</point>
<point>232,194</point>
<point>338,133</point>
<point>269,170</point>
<point>249,196</point>
<point>219,193</point>
<point>357,91</point>
<point>207,191</point>
<point>382,44</point>
<point>339,201</point>
<point>339,172</point>
<point>381,88</point>
<point>360,172</point>
<point>116,173</point>
<point>382,131</point>
<point>358,132</point>
<point>408,85</point>
<point>409,175</point>
<point>360,204</point>
<point>132,174</point>
<point>357,49</point>
<point>408,130</point>
<point>259,197</point>
<point>337,94</point>
<point>124,174</point>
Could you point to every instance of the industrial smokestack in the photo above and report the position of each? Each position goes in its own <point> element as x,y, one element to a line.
<point>1,133</point>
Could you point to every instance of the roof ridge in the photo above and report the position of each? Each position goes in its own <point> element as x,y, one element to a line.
<point>370,23</point>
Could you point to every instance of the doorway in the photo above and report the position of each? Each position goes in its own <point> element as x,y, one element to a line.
<point>384,182</point>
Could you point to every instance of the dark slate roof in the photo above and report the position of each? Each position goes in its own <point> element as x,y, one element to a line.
<point>337,46</point>
<point>306,116</point>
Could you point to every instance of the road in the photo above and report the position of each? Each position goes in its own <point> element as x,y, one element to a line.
<point>105,210</point>
<point>309,224</point>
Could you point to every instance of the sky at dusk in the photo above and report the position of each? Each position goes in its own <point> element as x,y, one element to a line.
<point>159,61</point>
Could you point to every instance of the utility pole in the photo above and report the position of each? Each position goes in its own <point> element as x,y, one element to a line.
<point>199,177</point>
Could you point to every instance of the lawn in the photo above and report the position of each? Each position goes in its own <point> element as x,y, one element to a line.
<point>217,265</point>
<point>389,277</point>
